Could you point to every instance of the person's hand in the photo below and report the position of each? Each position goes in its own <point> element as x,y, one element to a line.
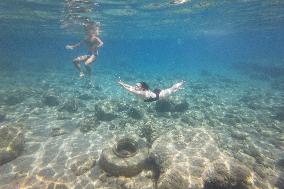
<point>120,82</point>
<point>70,47</point>
<point>178,86</point>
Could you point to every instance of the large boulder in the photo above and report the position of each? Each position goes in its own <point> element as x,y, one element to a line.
<point>190,158</point>
<point>231,176</point>
<point>173,178</point>
<point>11,143</point>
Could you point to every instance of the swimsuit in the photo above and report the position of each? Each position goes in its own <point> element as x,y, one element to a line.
<point>157,92</point>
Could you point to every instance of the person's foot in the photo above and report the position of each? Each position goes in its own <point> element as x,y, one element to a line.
<point>82,74</point>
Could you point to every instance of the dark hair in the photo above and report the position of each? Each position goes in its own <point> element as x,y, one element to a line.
<point>144,86</point>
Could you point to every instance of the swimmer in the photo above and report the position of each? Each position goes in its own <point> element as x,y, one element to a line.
<point>141,89</point>
<point>178,2</point>
<point>93,43</point>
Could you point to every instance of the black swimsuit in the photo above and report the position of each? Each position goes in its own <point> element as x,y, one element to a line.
<point>157,92</point>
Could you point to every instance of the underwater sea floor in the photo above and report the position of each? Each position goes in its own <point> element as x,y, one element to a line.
<point>221,131</point>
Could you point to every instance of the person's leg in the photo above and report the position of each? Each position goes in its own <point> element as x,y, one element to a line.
<point>89,63</point>
<point>77,65</point>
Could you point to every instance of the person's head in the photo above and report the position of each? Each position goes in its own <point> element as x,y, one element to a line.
<point>142,86</point>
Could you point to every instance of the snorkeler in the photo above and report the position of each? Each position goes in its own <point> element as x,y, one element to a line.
<point>93,43</point>
<point>142,89</point>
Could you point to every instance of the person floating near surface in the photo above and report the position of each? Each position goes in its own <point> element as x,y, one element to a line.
<point>93,43</point>
<point>178,2</point>
<point>142,89</point>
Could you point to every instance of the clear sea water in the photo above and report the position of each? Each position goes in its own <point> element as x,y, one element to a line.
<point>231,108</point>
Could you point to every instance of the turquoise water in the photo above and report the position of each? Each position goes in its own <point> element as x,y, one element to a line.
<point>224,129</point>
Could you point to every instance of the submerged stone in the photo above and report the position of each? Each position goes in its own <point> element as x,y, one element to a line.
<point>232,177</point>
<point>83,165</point>
<point>173,178</point>
<point>239,135</point>
<point>280,181</point>
<point>50,100</point>
<point>191,159</point>
<point>57,131</point>
<point>242,176</point>
<point>46,173</point>
<point>181,107</point>
<point>279,114</point>
<point>61,186</point>
<point>134,113</point>
<point>101,115</point>
<point>85,96</point>
<point>71,106</point>
<point>13,99</point>
<point>280,163</point>
<point>163,106</point>
<point>2,117</point>
<point>88,125</point>
<point>168,106</point>
<point>218,178</point>
<point>11,143</point>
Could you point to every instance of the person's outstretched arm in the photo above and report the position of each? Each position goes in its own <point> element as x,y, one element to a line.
<point>71,47</point>
<point>166,92</point>
<point>101,43</point>
<point>130,88</point>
